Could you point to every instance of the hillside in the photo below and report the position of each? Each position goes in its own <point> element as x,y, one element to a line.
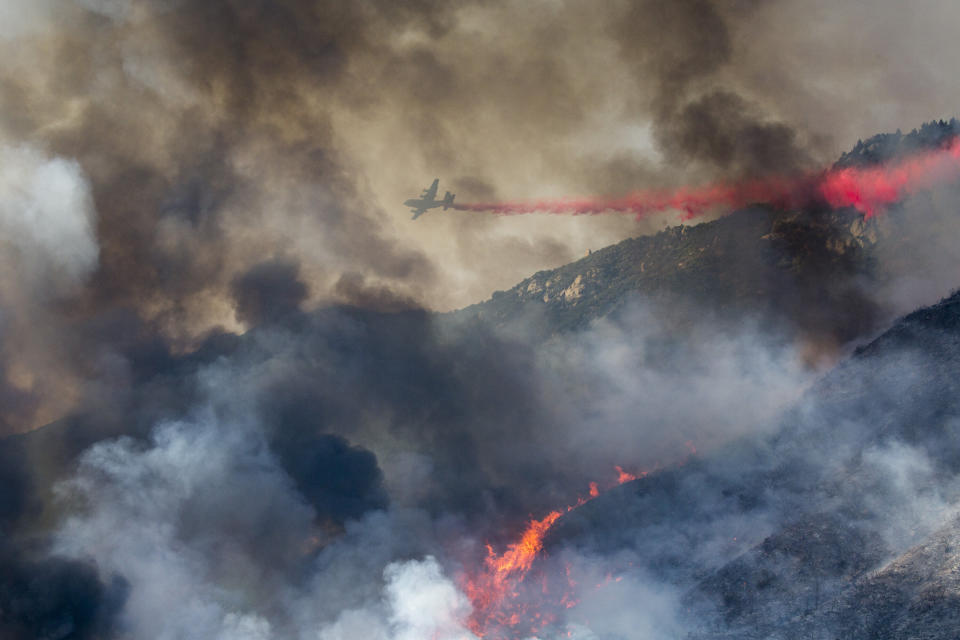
<point>756,261</point>
<point>884,147</point>
<point>810,272</point>
<point>840,524</point>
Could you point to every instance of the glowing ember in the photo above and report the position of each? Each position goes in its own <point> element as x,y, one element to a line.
<point>868,190</point>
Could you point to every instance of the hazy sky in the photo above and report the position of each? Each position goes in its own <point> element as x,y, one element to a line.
<point>297,128</point>
<point>174,173</point>
<point>156,151</point>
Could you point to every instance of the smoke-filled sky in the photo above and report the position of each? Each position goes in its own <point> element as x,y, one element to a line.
<point>213,135</point>
<point>174,173</point>
<point>174,145</point>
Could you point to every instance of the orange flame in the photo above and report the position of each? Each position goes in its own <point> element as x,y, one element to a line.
<point>495,591</point>
<point>623,476</point>
<point>489,591</point>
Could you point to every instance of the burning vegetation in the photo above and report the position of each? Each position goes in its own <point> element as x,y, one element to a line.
<point>505,603</point>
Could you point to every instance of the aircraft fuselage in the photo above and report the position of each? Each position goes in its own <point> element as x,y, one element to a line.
<point>423,204</point>
<point>427,200</point>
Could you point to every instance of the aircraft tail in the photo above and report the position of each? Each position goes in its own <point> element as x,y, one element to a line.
<point>448,200</point>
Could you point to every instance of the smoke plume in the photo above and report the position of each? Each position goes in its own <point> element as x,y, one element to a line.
<point>229,409</point>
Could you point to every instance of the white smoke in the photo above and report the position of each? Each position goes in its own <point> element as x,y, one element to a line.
<point>424,604</point>
<point>23,17</point>
<point>626,391</point>
<point>48,250</point>
<point>627,605</point>
<point>907,488</point>
<point>174,519</point>
<point>419,602</point>
<point>47,218</point>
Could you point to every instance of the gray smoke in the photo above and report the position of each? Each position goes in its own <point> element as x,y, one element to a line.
<point>258,431</point>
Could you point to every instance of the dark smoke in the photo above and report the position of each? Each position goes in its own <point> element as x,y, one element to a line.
<point>339,481</point>
<point>55,598</point>
<point>268,292</point>
<point>214,135</point>
<point>723,130</point>
<point>16,482</point>
<point>242,422</point>
<point>682,48</point>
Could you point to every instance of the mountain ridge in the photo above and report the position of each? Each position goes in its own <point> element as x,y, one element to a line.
<point>770,263</point>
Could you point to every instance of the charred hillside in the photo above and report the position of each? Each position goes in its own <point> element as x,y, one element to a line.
<point>840,524</point>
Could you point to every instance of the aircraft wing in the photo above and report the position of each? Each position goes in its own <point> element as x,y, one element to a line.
<point>430,193</point>
<point>417,213</point>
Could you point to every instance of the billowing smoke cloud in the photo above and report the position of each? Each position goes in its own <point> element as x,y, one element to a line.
<point>681,48</point>
<point>46,219</point>
<point>417,601</point>
<point>187,187</point>
<point>299,137</point>
<point>263,509</point>
<point>55,597</point>
<point>48,251</point>
<point>200,168</point>
<point>268,291</point>
<point>217,136</point>
<point>177,505</point>
<point>205,520</point>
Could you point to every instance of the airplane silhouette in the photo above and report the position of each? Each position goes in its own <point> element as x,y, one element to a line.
<point>428,200</point>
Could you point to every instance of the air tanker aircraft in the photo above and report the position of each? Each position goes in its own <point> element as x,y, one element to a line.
<point>428,201</point>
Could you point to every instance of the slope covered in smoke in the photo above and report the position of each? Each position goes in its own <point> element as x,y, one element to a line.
<point>838,524</point>
<point>260,473</point>
<point>406,431</point>
<point>252,476</point>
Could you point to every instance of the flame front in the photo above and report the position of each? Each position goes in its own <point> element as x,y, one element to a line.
<point>495,592</point>
<point>624,476</point>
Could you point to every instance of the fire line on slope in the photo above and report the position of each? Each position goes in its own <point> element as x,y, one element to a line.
<point>494,591</point>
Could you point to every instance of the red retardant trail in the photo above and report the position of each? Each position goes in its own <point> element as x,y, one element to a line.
<point>869,190</point>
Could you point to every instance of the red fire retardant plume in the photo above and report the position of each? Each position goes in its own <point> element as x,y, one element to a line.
<point>869,190</point>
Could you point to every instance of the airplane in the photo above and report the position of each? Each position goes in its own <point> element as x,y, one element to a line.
<point>428,200</point>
